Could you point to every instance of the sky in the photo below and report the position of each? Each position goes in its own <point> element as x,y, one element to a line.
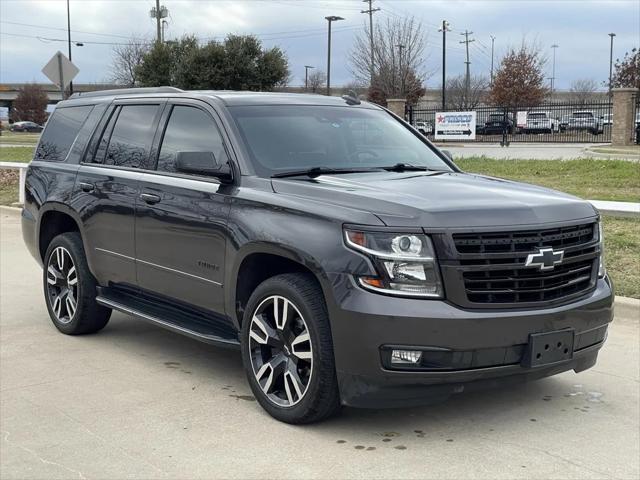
<point>31,31</point>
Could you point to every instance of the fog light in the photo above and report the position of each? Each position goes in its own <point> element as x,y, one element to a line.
<point>405,356</point>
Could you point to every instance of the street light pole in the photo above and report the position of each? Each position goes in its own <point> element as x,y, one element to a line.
<point>306,76</point>
<point>553,70</point>
<point>444,30</point>
<point>69,43</point>
<point>611,66</point>
<point>330,19</point>
<point>493,40</point>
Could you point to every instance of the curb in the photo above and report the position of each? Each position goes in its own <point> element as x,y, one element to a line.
<point>10,210</point>
<point>627,307</point>
<point>611,156</point>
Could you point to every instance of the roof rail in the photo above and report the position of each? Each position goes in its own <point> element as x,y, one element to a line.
<point>126,91</point>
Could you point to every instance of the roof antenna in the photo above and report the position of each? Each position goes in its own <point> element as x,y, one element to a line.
<point>351,98</point>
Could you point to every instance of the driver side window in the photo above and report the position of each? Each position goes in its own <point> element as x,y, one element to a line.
<point>189,129</point>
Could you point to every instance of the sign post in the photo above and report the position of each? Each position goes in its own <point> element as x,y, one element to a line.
<point>60,70</point>
<point>455,126</point>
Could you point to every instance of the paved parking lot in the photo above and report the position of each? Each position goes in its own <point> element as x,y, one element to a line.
<point>135,401</point>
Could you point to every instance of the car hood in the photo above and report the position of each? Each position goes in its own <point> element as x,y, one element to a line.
<point>438,199</point>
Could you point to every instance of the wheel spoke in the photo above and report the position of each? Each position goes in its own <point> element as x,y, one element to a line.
<point>72,278</point>
<point>280,312</point>
<point>70,304</point>
<point>270,371</point>
<point>293,385</point>
<point>53,276</point>
<point>263,333</point>
<point>301,346</point>
<point>60,258</point>
<point>57,306</point>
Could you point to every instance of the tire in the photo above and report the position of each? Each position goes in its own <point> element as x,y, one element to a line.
<point>289,386</point>
<point>64,286</point>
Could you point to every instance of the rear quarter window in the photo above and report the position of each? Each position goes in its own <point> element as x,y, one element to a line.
<point>60,133</point>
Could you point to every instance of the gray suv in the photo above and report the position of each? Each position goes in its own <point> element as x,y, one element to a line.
<point>348,259</point>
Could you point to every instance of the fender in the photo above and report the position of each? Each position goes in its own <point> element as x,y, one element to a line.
<point>235,259</point>
<point>55,206</point>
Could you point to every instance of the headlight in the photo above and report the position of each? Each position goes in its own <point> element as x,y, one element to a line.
<point>602,271</point>
<point>405,262</point>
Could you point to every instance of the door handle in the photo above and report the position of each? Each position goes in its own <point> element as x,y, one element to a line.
<point>87,187</point>
<point>150,198</point>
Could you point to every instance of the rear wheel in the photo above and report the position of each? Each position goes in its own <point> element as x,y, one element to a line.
<point>287,350</point>
<point>70,288</point>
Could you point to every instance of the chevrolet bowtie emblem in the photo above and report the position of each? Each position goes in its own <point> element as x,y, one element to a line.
<point>545,259</point>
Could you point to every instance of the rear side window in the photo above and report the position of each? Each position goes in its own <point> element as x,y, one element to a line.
<point>126,139</point>
<point>189,130</point>
<point>62,130</point>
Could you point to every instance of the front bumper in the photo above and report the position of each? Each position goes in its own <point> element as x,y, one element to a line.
<point>363,322</point>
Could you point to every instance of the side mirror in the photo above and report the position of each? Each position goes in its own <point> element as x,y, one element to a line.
<point>202,163</point>
<point>447,154</point>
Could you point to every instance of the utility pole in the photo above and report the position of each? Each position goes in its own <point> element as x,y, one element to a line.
<point>306,76</point>
<point>493,40</point>
<point>611,66</point>
<point>371,11</point>
<point>330,19</point>
<point>159,12</point>
<point>444,30</point>
<point>69,44</point>
<point>401,70</point>
<point>553,68</point>
<point>467,82</point>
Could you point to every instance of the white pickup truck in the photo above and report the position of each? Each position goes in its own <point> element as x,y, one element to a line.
<point>541,122</point>
<point>586,120</point>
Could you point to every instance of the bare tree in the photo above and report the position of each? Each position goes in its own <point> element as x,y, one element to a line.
<point>398,51</point>
<point>30,104</point>
<point>457,97</point>
<point>582,90</point>
<point>126,60</point>
<point>317,80</point>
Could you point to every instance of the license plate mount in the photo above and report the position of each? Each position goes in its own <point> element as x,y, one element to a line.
<point>547,348</point>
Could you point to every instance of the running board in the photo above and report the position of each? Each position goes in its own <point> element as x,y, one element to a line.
<point>192,325</point>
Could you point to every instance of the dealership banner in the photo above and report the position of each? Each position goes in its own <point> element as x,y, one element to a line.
<point>455,126</point>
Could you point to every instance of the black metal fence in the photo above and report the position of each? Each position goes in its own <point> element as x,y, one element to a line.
<point>551,122</point>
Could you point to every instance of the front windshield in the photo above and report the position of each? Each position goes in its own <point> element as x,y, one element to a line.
<point>285,138</point>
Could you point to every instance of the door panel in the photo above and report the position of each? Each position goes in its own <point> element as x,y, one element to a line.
<point>180,240</point>
<point>108,215</point>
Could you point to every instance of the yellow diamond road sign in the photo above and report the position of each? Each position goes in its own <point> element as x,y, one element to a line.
<point>60,70</point>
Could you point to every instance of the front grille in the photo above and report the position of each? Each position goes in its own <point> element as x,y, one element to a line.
<point>492,265</point>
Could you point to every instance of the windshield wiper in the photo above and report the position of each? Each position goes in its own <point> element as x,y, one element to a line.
<point>317,171</point>
<point>406,167</point>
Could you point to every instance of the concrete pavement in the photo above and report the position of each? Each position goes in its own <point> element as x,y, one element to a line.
<point>136,401</point>
<point>535,151</point>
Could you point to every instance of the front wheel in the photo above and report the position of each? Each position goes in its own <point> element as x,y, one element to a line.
<point>287,350</point>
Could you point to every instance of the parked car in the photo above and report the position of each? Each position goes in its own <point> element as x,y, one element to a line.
<point>541,122</point>
<point>26,127</point>
<point>498,123</point>
<point>426,128</point>
<point>348,259</point>
<point>607,119</point>
<point>585,120</point>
